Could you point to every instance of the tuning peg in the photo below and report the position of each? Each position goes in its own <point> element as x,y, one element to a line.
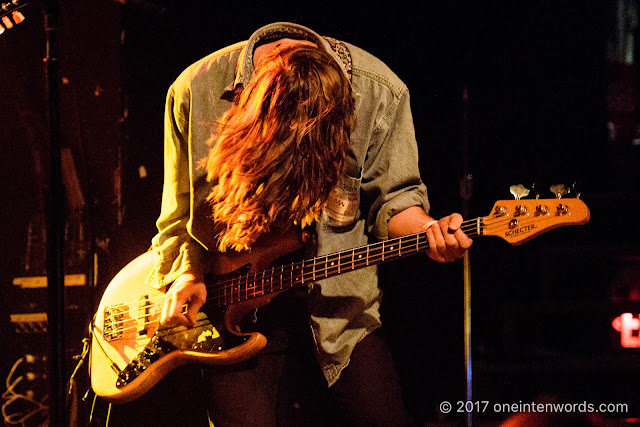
<point>559,190</point>
<point>519,191</point>
<point>533,190</point>
<point>576,189</point>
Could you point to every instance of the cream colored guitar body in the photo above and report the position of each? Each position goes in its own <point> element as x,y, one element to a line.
<point>131,352</point>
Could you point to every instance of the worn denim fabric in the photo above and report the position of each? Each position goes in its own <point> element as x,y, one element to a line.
<point>382,179</point>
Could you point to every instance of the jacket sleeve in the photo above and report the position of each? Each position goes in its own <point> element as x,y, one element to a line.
<point>177,251</point>
<point>391,175</point>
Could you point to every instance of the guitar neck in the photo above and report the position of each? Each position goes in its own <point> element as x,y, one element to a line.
<point>277,279</point>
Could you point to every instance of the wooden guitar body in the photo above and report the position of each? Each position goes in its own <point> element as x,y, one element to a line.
<point>131,352</point>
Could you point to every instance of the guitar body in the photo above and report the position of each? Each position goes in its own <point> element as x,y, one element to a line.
<point>126,334</point>
<point>131,352</point>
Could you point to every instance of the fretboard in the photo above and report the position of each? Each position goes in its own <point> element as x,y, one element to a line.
<point>256,284</point>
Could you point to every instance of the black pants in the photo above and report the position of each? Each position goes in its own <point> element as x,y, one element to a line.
<point>284,384</point>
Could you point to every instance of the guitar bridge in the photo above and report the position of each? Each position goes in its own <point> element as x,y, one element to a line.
<point>113,320</point>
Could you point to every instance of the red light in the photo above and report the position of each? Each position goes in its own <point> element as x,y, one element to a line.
<point>629,328</point>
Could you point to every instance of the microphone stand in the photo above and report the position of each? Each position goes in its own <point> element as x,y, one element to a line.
<point>466,189</point>
<point>55,206</point>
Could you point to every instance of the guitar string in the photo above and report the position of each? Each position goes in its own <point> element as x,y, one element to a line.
<point>408,241</point>
<point>172,330</point>
<point>225,282</point>
<point>178,329</point>
<point>487,225</point>
<point>286,283</point>
<point>470,227</point>
<point>199,323</point>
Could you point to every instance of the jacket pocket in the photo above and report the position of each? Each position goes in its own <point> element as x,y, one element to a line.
<point>343,206</point>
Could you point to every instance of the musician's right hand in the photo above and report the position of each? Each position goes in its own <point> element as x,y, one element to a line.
<point>188,289</point>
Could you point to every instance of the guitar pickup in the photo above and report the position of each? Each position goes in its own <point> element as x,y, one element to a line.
<point>144,315</point>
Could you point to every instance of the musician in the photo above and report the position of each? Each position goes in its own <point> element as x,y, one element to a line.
<point>284,132</point>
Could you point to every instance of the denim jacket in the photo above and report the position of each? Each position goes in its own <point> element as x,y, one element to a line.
<point>382,178</point>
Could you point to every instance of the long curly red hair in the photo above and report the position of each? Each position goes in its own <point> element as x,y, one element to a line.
<point>281,148</point>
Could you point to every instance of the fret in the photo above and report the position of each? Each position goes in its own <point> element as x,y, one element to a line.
<point>291,276</point>
<point>273,269</point>
<point>367,254</point>
<point>326,266</point>
<point>253,284</point>
<point>245,289</point>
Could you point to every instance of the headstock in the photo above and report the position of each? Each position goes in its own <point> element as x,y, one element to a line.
<point>518,221</point>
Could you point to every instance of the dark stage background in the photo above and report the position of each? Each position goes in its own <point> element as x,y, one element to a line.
<point>551,99</point>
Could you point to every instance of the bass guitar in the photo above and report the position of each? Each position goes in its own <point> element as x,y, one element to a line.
<point>131,352</point>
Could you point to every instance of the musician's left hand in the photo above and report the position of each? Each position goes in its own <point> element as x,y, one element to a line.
<point>447,242</point>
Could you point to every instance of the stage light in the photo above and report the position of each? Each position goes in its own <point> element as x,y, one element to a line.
<point>10,8</point>
<point>17,16</point>
<point>7,22</point>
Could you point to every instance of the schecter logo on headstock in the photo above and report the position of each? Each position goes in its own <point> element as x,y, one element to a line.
<point>519,230</point>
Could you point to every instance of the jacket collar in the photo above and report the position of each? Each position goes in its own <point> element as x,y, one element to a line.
<point>274,31</point>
